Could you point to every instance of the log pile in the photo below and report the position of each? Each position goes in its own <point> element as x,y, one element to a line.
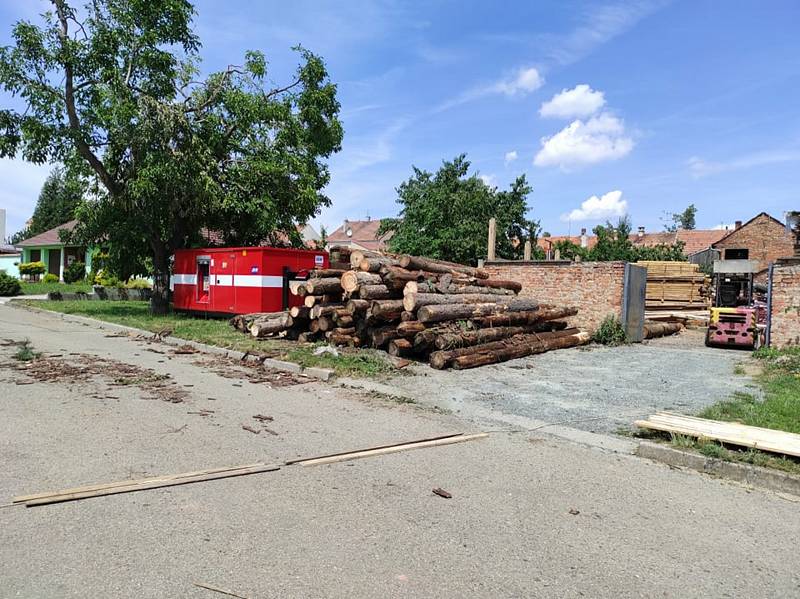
<point>449,314</point>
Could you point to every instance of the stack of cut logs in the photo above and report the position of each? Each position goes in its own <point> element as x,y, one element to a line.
<point>450,314</point>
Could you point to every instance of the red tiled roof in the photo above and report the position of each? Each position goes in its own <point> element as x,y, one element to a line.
<point>363,233</point>
<point>694,240</point>
<point>50,237</point>
<point>546,242</point>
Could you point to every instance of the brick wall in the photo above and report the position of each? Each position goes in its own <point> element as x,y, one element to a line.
<point>595,288</point>
<point>765,238</point>
<point>785,329</point>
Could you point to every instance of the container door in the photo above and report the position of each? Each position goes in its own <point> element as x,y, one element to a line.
<point>203,283</point>
<point>223,292</point>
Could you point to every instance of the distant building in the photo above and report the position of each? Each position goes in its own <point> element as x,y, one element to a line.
<point>360,235</point>
<point>47,247</point>
<point>763,239</point>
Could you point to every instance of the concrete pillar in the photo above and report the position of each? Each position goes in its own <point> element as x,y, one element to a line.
<point>490,253</point>
<point>527,252</point>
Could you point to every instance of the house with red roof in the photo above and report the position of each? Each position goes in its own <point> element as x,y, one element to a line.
<point>360,235</point>
<point>48,247</point>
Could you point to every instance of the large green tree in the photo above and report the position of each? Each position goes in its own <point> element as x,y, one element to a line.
<point>58,200</point>
<point>114,91</point>
<point>446,215</point>
<point>683,220</point>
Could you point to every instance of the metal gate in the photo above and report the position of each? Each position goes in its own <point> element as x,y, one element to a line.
<point>633,296</point>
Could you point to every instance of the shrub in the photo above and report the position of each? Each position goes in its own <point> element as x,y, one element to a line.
<point>50,278</point>
<point>75,272</point>
<point>9,285</point>
<point>138,283</point>
<point>610,332</point>
<point>108,280</point>
<point>31,268</point>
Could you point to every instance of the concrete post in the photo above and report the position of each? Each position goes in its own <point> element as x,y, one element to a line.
<point>61,264</point>
<point>527,252</point>
<point>490,255</point>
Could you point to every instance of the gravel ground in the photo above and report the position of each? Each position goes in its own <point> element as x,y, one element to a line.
<point>530,515</point>
<point>594,388</point>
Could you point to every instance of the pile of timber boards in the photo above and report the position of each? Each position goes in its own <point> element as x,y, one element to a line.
<point>449,314</point>
<point>675,286</point>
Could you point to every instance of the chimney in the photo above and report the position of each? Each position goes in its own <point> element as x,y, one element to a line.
<point>584,238</point>
<point>737,225</point>
<point>641,232</point>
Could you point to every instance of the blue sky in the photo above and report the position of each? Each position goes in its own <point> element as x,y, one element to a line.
<point>638,107</point>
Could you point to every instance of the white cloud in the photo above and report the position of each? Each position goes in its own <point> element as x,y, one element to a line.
<point>580,101</point>
<point>608,205</point>
<point>525,80</point>
<point>724,227</point>
<point>510,157</point>
<point>599,139</point>
<point>701,168</point>
<point>490,180</point>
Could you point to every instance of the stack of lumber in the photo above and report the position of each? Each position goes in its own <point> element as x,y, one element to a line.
<point>675,286</point>
<point>449,314</point>
<point>765,439</point>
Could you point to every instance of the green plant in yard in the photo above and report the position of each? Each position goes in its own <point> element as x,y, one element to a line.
<point>32,268</point>
<point>50,278</point>
<point>25,352</point>
<point>137,283</point>
<point>42,288</point>
<point>75,272</point>
<point>9,286</point>
<point>610,332</point>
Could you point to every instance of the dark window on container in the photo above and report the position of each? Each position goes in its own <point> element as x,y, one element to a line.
<point>737,254</point>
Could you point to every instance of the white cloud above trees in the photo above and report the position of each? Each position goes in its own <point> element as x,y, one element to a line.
<point>580,101</point>
<point>595,208</point>
<point>600,138</point>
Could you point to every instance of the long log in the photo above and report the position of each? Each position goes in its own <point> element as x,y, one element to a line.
<point>413,301</point>
<point>352,280</point>
<point>493,286</point>
<point>652,330</point>
<point>382,335</point>
<point>526,317</point>
<point>519,349</point>
<point>327,285</point>
<point>375,263</point>
<point>396,277</point>
<point>438,313</point>
<point>313,326</point>
<point>326,273</point>
<point>448,341</point>
<point>410,328</point>
<point>440,266</point>
<point>343,320</point>
<point>387,309</point>
<point>350,340</point>
<point>400,347</point>
<point>373,292</point>
<point>344,331</point>
<point>325,323</point>
<point>268,326</point>
<point>357,306</point>
<point>324,310</point>
<point>299,312</point>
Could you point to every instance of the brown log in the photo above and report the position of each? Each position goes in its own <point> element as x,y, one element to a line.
<point>327,285</point>
<point>413,301</point>
<point>396,277</point>
<point>310,300</point>
<point>350,340</point>
<point>324,310</point>
<point>343,321</point>
<point>520,349</point>
<point>373,292</point>
<point>438,313</point>
<point>307,337</point>
<point>299,290</point>
<point>496,284</point>
<point>299,312</point>
<point>357,306</point>
<point>405,316</point>
<point>325,273</point>
<point>444,358</point>
<point>352,280</point>
<point>652,330</point>
<point>382,335</point>
<point>410,328</point>
<point>356,256</point>
<point>388,309</point>
<point>528,317</point>
<point>274,324</point>
<point>453,340</point>
<point>440,266</point>
<point>344,331</point>
<point>424,341</point>
<point>313,326</point>
<point>325,323</point>
<point>342,265</point>
<point>375,263</point>
<point>339,253</point>
<point>494,287</point>
<point>400,347</point>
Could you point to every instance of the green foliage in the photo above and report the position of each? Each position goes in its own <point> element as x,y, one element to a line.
<point>446,215</point>
<point>50,278</point>
<point>108,280</point>
<point>569,251</point>
<point>58,200</point>
<point>114,92</point>
<point>42,288</point>
<point>610,332</point>
<point>32,268</point>
<point>25,352</point>
<point>9,286</point>
<point>683,220</point>
<point>614,243</point>
<point>75,272</point>
<point>137,283</point>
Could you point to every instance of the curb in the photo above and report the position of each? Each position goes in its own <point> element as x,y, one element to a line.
<point>323,374</point>
<point>755,476</point>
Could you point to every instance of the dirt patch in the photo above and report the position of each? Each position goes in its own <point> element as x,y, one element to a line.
<point>81,368</point>
<point>253,372</point>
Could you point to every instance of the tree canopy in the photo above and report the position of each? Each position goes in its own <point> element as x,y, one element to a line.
<point>58,200</point>
<point>446,215</point>
<point>114,91</point>
<point>683,220</point>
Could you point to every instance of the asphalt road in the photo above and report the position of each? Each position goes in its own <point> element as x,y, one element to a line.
<point>367,528</point>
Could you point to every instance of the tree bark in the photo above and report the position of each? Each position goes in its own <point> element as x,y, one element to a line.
<point>326,273</point>
<point>159,300</point>
<point>454,340</point>
<point>262,327</point>
<point>410,328</point>
<point>493,286</point>
<point>400,347</point>
<point>438,313</point>
<point>324,310</point>
<point>526,317</point>
<point>382,335</point>
<point>375,263</point>
<point>352,280</point>
<point>357,306</point>
<point>321,286</point>
<point>440,266</point>
<point>373,292</point>
<point>520,349</point>
<point>413,301</point>
<point>387,309</point>
<point>299,312</point>
<point>660,329</point>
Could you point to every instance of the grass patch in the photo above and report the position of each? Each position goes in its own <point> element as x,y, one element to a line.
<point>217,331</point>
<point>25,352</point>
<point>41,288</point>
<point>610,332</point>
<point>739,369</point>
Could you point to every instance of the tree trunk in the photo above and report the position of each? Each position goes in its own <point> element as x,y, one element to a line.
<point>440,266</point>
<point>405,316</point>
<point>396,278</point>
<point>373,292</point>
<point>660,329</point>
<point>299,312</point>
<point>454,340</point>
<point>324,310</point>
<point>387,309</point>
<point>159,300</point>
<point>400,347</point>
<point>520,349</point>
<point>357,306</point>
<point>382,335</point>
<point>527,317</point>
<point>326,273</point>
<point>492,286</point>
<point>321,286</point>
<point>413,301</point>
<point>375,263</point>
<point>280,321</point>
<point>438,313</point>
<point>410,328</point>
<point>352,280</point>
